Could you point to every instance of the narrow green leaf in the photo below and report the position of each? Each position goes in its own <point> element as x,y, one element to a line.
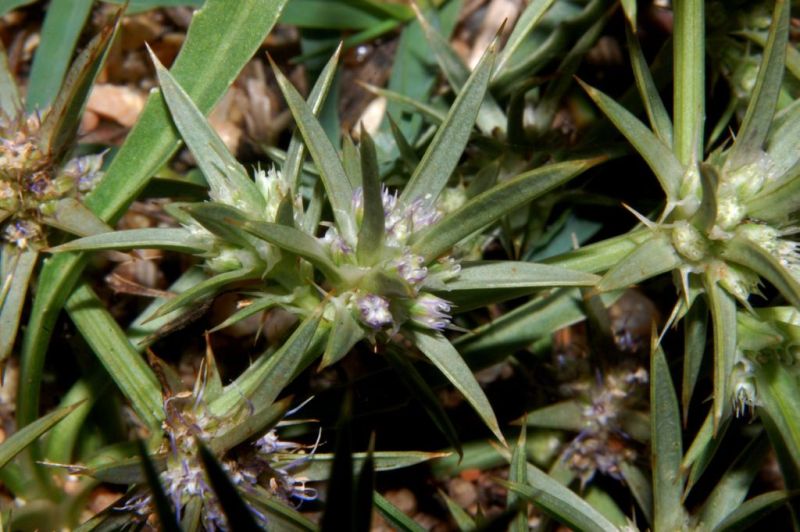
<point>258,305</point>
<point>694,348</point>
<point>422,392</point>
<point>60,124</point>
<point>706,215</point>
<point>753,510</point>
<point>641,488</point>
<point>433,114</point>
<point>296,153</point>
<point>658,156</point>
<point>653,257</point>
<point>490,116</point>
<point>321,14</point>
<point>227,178</point>
<point>407,153</point>
<point>526,23</point>
<point>351,161</point>
<point>702,450</point>
<point>488,207</point>
<point>445,357</point>
<point>238,515</point>
<point>278,510</point>
<point>444,151</point>
<point>18,441</point>
<point>166,517</point>
<point>17,267</point>
<point>604,503</point>
<point>205,70</point>
<point>259,422</point>
<point>70,215</point>
<point>751,255</point>
<point>373,224</point>
<point>394,516</point>
<point>462,519</point>
<point>518,472</point>
<point>345,333</point>
<point>169,238</point>
<point>63,24</point>
<point>566,415</point>
<point>778,204</point>
<point>629,7</point>
<point>689,84</point>
<point>559,502</point>
<point>666,445</point>
<point>204,290</point>
<point>723,318</point>
<point>730,491</point>
<point>779,403</point>
<point>488,275</point>
<point>297,242</point>
<point>318,466</point>
<point>337,184</point>
<point>10,102</point>
<point>758,118</point>
<point>129,371</point>
<point>263,382</point>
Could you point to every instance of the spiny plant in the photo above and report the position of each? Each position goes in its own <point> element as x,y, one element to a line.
<point>385,260</point>
<point>40,183</point>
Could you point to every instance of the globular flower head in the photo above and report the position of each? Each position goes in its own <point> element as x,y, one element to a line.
<point>431,311</point>
<point>374,311</point>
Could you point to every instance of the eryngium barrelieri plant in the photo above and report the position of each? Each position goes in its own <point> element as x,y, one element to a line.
<point>40,183</point>
<point>385,266</point>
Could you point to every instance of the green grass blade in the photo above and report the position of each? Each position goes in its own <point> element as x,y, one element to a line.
<point>287,517</point>
<point>125,365</point>
<point>694,348</point>
<point>464,522</point>
<point>751,255</point>
<point>10,102</point>
<point>17,269</point>
<point>753,510</point>
<point>205,70</point>
<point>318,466</point>
<point>345,333</point>
<point>296,153</point>
<point>488,207</point>
<point>702,450</point>
<point>689,90</point>
<point>433,114</point>
<point>566,415</point>
<point>205,289</point>
<point>666,453</point>
<point>723,318</point>
<point>730,491</point>
<point>444,356</point>
<point>758,118</point>
<point>422,392</point>
<point>18,441</point>
<point>71,216</point>
<point>173,239</point>
<point>373,224</point>
<point>490,275</point>
<point>559,502</point>
<point>60,124</point>
<point>226,177</point>
<point>63,24</point>
<point>654,257</point>
<point>641,488</point>
<point>779,404</point>
<point>522,29</point>
<point>337,184</point>
<point>653,105</point>
<point>518,472</point>
<point>394,516</point>
<point>490,116</point>
<point>658,156</point>
<point>263,419</point>
<point>444,151</point>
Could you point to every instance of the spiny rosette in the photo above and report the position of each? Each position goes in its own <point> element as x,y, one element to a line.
<point>248,466</point>
<point>392,291</point>
<point>31,183</point>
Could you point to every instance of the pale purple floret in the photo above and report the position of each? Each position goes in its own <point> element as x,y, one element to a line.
<point>431,311</point>
<point>374,311</point>
<point>412,268</point>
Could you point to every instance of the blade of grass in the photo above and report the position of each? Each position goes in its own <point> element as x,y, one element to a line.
<point>63,24</point>
<point>18,441</point>
<point>758,117</point>
<point>653,105</point>
<point>394,516</point>
<point>109,343</point>
<point>17,269</point>
<point>444,151</point>
<point>689,87</point>
<point>445,357</point>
